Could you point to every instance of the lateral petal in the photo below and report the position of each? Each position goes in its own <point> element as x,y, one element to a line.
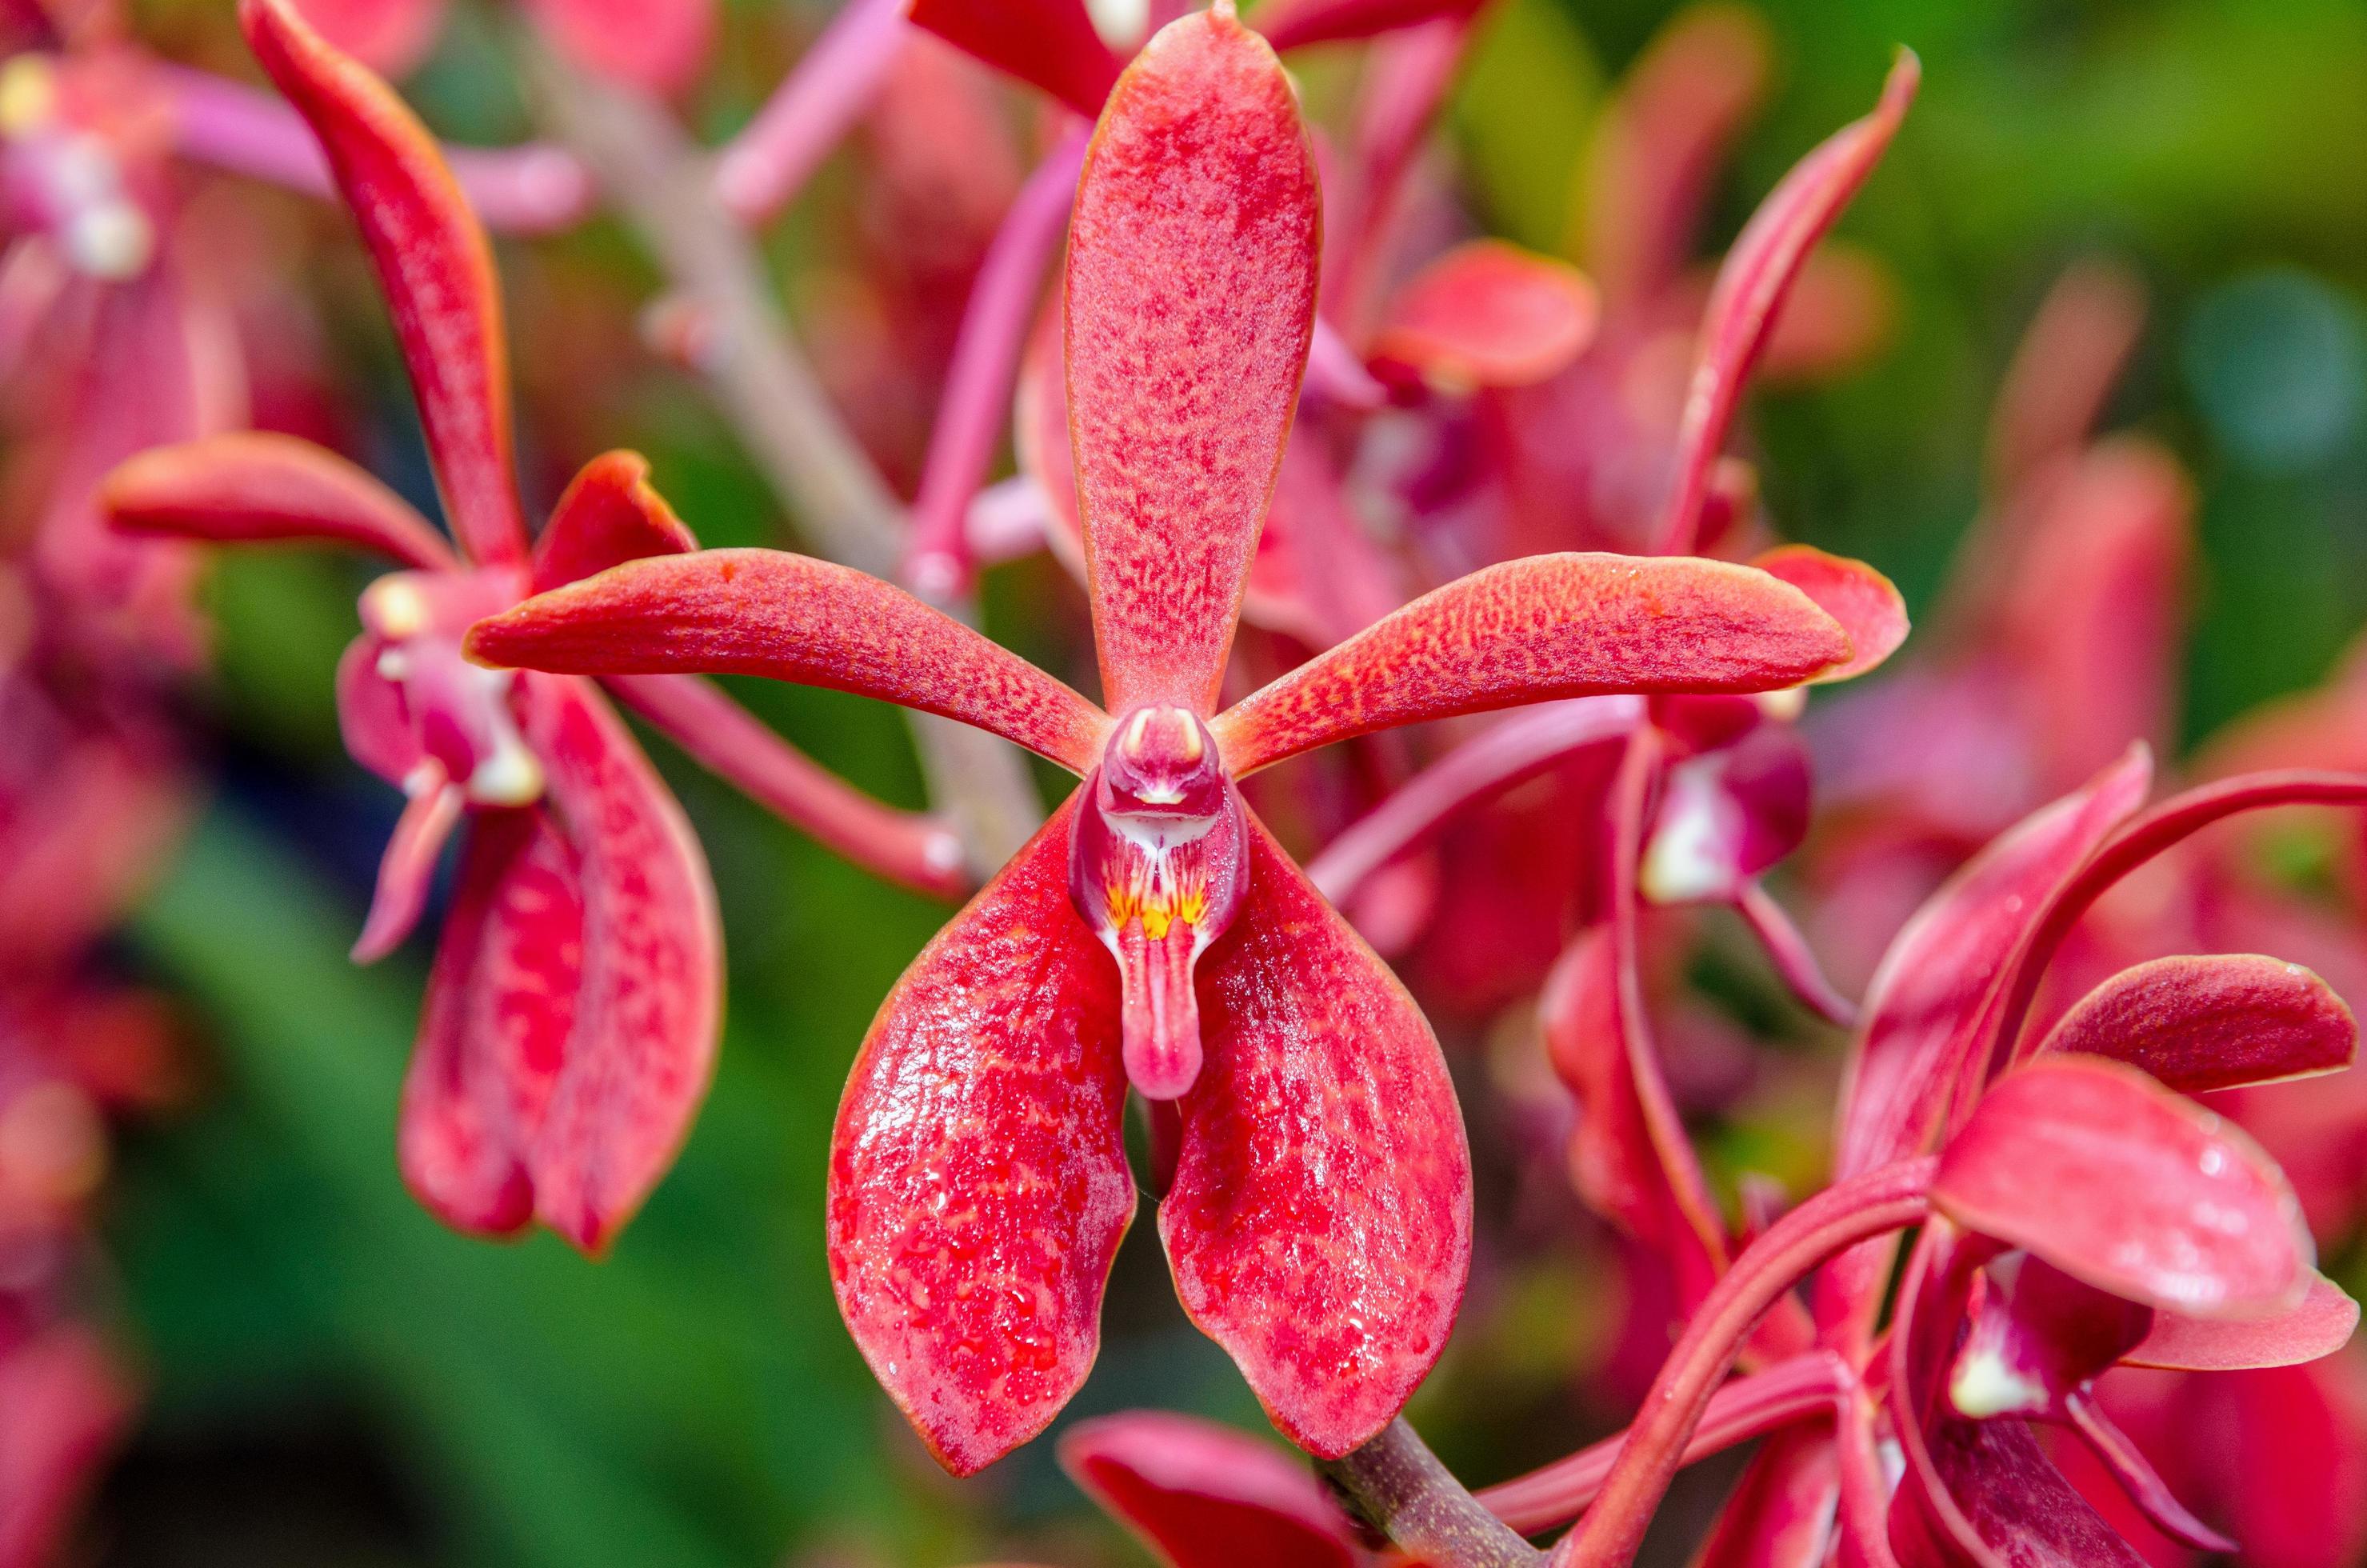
<point>609,514</point>
<point>1530,630</point>
<point>252,485</point>
<point>978,1179</point>
<point>1320,1224</point>
<point>433,264</point>
<point>2203,1023</point>
<point>1050,44</point>
<point>767,612</point>
<point>1203,1496</point>
<point>1190,303</point>
<point>2320,1325</point>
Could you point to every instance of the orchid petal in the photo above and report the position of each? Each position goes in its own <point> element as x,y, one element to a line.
<point>1190,303</point>
<point>2118,1182</point>
<point>765,165</point>
<point>1782,1511</point>
<point>1660,142</point>
<point>643,1044</point>
<point>659,46</point>
<point>1753,280</point>
<point>433,262</point>
<point>494,1032</point>
<point>2320,1325</point>
<point>792,617</point>
<point>1202,1495</point>
<point>2213,1023</point>
<point>608,513</point>
<point>2007,1496</point>
<point>252,487</point>
<point>408,868</point>
<point>1294,24</point>
<point>2136,1476</point>
<point>1320,1224</point>
<point>978,1182</point>
<point>1864,601</point>
<point>1490,314</point>
<point>391,37</point>
<point>1528,630</point>
<point>1050,44</point>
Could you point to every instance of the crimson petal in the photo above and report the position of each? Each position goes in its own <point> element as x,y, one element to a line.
<point>643,1044</point>
<point>1190,303</point>
<point>2213,1023</point>
<point>608,513</point>
<point>2320,1325</point>
<point>790,617</point>
<point>978,1179</point>
<point>493,1031</point>
<point>1864,601</point>
<point>252,487</point>
<point>2118,1182</point>
<point>1202,1495</point>
<point>1528,630</point>
<point>1320,1224</point>
<point>1050,44</point>
<point>433,264</point>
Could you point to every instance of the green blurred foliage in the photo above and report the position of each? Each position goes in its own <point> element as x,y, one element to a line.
<point>408,1396</point>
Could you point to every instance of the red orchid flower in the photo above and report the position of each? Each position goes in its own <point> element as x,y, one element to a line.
<point>657,45</point>
<point>571,1017</point>
<point>1316,1205</point>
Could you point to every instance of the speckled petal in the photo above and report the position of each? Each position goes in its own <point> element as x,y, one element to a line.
<point>978,1176</point>
<point>1190,303</point>
<point>1320,1224</point>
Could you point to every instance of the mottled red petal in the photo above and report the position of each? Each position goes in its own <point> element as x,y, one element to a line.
<point>1190,300</point>
<point>494,1030</point>
<point>1490,314</point>
<point>1863,600</point>
<point>2117,1181</point>
<point>408,868</point>
<point>1529,630</point>
<point>790,617</point>
<point>391,37</point>
<point>1319,1225</point>
<point>433,264</point>
<point>608,513</point>
<point>978,1180</point>
<point>2012,1508</point>
<point>2320,1325</point>
<point>646,1018</point>
<point>2213,1023</point>
<point>1050,44</point>
<point>1754,279</point>
<point>1202,1495</point>
<point>1782,1511</point>
<point>657,45</point>
<point>253,486</point>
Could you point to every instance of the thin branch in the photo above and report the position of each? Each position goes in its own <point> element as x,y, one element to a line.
<point>1399,1488</point>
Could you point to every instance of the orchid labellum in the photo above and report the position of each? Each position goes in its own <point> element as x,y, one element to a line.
<point>570,1019</point>
<point>1317,1207</point>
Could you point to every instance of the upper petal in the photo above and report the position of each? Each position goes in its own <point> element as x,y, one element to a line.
<point>1544,627</point>
<point>433,262</point>
<point>2320,1325</point>
<point>1320,1224</point>
<point>1207,1496</point>
<point>790,617</point>
<point>978,1178</point>
<point>651,1001</point>
<point>2212,1023</point>
<point>608,513</point>
<point>1190,303</point>
<point>255,485</point>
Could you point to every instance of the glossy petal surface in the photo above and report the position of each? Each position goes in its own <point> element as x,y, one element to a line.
<point>608,513</point>
<point>2320,1325</point>
<point>978,1181</point>
<point>2213,1023</point>
<point>433,264</point>
<point>1863,600</point>
<point>1320,1224</point>
<point>1548,626</point>
<point>643,1044</point>
<point>493,1031</point>
<point>1190,303</point>
<point>2116,1181</point>
<point>1490,314</point>
<point>790,617</point>
<point>1048,43</point>
<point>1202,1495</point>
<point>252,487</point>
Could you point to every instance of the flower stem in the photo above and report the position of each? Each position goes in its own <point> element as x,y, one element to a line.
<point>1399,1488</point>
<point>1880,1200</point>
